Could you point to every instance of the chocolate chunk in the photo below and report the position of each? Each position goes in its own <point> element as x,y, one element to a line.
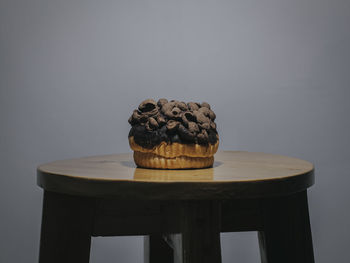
<point>212,115</point>
<point>212,136</point>
<point>152,113</point>
<point>182,106</point>
<point>203,137</point>
<point>169,114</point>
<point>147,105</point>
<point>205,111</point>
<point>192,106</point>
<point>148,108</point>
<point>206,105</point>
<point>161,102</point>
<point>148,126</point>
<point>205,125</point>
<point>185,134</point>
<point>138,117</point>
<point>161,120</point>
<point>187,117</point>
<point>168,106</point>
<point>153,123</point>
<point>193,127</point>
<point>143,118</point>
<point>176,112</point>
<point>200,117</point>
<point>172,125</point>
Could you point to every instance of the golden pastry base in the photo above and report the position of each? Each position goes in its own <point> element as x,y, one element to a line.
<point>151,160</point>
<point>174,155</point>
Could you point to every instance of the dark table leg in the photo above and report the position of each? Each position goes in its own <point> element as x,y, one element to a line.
<point>66,228</point>
<point>287,234</point>
<point>157,250</point>
<point>201,224</point>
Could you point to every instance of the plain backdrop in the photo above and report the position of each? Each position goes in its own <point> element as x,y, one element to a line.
<point>276,73</point>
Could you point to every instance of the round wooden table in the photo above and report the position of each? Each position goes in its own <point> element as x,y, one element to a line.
<point>108,196</point>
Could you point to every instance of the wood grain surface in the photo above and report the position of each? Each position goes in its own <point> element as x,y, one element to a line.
<point>235,174</point>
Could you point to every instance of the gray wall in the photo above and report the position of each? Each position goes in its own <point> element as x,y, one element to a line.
<point>277,73</point>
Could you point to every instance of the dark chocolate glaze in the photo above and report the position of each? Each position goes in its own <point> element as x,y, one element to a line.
<point>188,123</point>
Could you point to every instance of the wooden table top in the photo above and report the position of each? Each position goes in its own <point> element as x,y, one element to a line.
<point>235,174</point>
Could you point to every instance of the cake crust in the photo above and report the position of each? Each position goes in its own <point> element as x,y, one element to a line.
<point>174,155</point>
<point>150,160</point>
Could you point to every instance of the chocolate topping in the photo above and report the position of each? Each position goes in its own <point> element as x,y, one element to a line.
<point>186,135</point>
<point>201,118</point>
<point>161,120</point>
<point>167,107</point>
<point>205,126</point>
<point>187,117</point>
<point>193,127</point>
<point>153,123</point>
<point>176,112</point>
<point>161,102</point>
<point>212,115</point>
<point>203,136</point>
<point>192,106</point>
<point>147,105</point>
<point>172,125</point>
<point>172,121</point>
<point>182,106</point>
<point>204,110</point>
<point>206,105</point>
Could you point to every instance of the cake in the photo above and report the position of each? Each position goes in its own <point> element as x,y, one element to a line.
<point>173,134</point>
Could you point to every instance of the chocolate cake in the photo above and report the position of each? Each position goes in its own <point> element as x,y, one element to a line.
<point>173,134</point>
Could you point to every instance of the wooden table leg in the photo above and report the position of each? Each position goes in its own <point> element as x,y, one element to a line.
<point>201,224</point>
<point>157,250</point>
<point>66,228</point>
<point>287,233</point>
